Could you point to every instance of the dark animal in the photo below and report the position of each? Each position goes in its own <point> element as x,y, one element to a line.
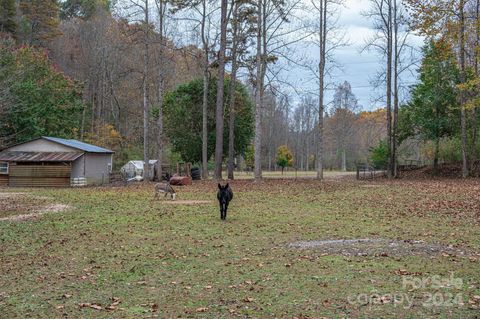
<point>224,196</point>
<point>166,177</point>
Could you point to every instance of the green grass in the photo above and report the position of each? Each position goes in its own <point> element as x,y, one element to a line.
<point>183,261</point>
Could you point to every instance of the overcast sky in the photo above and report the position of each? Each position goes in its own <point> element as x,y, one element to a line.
<point>358,68</point>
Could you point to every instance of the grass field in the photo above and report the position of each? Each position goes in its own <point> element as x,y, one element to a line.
<point>115,253</point>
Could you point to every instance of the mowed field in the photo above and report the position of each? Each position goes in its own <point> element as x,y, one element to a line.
<point>113,252</point>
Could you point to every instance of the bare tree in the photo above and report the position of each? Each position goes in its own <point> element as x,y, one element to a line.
<point>463,98</point>
<point>242,30</point>
<point>234,57</point>
<point>161,11</point>
<point>345,105</point>
<point>140,8</point>
<point>260,65</point>
<point>206,78</point>
<point>391,42</point>
<point>272,37</point>
<point>199,15</point>
<point>220,91</point>
<point>327,39</point>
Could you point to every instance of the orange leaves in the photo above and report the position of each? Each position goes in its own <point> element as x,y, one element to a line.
<point>106,136</point>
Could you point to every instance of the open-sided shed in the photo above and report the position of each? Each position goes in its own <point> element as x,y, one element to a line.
<point>51,161</point>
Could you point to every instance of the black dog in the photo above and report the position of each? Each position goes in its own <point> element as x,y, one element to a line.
<point>224,196</point>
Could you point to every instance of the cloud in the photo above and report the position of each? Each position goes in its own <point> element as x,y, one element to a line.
<point>357,68</point>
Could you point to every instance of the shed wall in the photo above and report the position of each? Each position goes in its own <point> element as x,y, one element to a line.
<point>97,168</point>
<point>78,167</point>
<point>39,175</point>
<point>3,180</point>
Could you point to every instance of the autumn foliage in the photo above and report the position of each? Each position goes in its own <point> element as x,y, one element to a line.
<point>284,157</point>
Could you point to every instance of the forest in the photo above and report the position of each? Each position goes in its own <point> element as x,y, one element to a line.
<point>200,81</point>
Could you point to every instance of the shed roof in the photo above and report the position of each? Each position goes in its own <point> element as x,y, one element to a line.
<point>79,145</point>
<point>17,156</point>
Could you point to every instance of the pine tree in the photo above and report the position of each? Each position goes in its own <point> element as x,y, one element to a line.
<point>82,8</point>
<point>7,16</point>
<point>432,111</point>
<point>40,20</point>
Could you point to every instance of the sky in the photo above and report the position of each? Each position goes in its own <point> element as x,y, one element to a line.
<point>357,68</point>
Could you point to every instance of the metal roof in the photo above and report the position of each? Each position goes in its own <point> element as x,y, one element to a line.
<point>18,156</point>
<point>79,145</point>
<point>139,164</point>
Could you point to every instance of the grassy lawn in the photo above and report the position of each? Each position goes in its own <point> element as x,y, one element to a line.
<point>117,249</point>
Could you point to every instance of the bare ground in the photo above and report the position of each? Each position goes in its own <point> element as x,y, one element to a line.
<point>380,247</point>
<point>187,202</point>
<point>15,207</point>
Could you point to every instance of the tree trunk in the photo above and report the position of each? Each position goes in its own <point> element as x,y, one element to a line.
<point>435,159</point>
<point>82,127</point>
<point>206,52</point>
<point>475,109</point>
<point>463,120</point>
<point>146,171</point>
<point>344,160</point>
<point>231,129</point>
<point>232,95</point>
<point>161,87</point>
<point>389,90</point>
<point>307,151</point>
<point>395,88</point>
<point>321,87</point>
<point>258,96</point>
<point>220,90</point>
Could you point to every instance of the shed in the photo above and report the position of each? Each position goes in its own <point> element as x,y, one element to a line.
<point>134,169</point>
<point>52,161</point>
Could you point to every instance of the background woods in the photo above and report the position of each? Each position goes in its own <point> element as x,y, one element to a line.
<point>143,77</point>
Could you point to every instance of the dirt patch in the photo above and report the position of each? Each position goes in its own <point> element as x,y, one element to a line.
<point>10,195</point>
<point>55,208</point>
<point>187,202</point>
<point>22,206</point>
<point>378,247</point>
<point>371,185</point>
